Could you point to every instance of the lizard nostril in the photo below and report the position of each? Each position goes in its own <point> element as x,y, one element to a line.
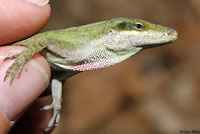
<point>170,32</point>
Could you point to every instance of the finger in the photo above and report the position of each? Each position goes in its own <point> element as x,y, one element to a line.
<point>21,19</point>
<point>4,123</point>
<point>23,91</point>
<point>33,121</point>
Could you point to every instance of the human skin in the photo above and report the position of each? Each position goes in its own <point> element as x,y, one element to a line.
<point>21,19</point>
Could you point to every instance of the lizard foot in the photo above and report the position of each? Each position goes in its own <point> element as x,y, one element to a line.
<point>56,87</point>
<point>56,114</point>
<point>15,68</point>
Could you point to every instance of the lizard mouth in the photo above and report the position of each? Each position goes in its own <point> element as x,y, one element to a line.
<point>166,38</point>
<point>154,45</point>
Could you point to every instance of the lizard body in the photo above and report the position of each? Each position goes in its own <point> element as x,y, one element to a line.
<point>88,47</point>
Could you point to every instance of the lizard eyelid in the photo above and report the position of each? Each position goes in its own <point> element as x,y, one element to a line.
<point>139,25</point>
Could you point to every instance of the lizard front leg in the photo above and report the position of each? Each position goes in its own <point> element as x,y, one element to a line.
<point>56,87</point>
<point>21,59</point>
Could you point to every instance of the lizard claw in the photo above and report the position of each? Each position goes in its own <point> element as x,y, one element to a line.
<point>56,114</point>
<point>10,57</point>
<point>15,68</point>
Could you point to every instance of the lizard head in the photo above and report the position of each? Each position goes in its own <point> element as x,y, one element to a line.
<point>129,33</point>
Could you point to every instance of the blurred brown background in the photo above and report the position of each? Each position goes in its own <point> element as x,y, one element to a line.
<point>155,92</point>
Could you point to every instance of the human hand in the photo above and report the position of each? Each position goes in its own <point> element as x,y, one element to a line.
<point>20,19</point>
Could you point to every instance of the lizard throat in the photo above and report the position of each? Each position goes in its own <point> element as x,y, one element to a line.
<point>96,60</point>
<point>86,67</point>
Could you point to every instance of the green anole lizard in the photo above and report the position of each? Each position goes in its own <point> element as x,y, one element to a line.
<point>88,47</point>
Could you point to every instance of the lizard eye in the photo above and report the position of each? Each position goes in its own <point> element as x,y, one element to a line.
<point>139,26</point>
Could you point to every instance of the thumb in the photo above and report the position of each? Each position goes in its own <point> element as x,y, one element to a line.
<point>16,97</point>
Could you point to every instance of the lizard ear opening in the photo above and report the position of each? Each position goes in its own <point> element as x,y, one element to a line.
<point>122,25</point>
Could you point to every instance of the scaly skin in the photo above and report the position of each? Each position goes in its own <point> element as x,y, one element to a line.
<point>88,47</point>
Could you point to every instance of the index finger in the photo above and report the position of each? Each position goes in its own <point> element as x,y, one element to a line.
<point>20,19</point>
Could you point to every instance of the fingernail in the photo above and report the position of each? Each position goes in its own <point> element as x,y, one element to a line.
<point>39,2</point>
